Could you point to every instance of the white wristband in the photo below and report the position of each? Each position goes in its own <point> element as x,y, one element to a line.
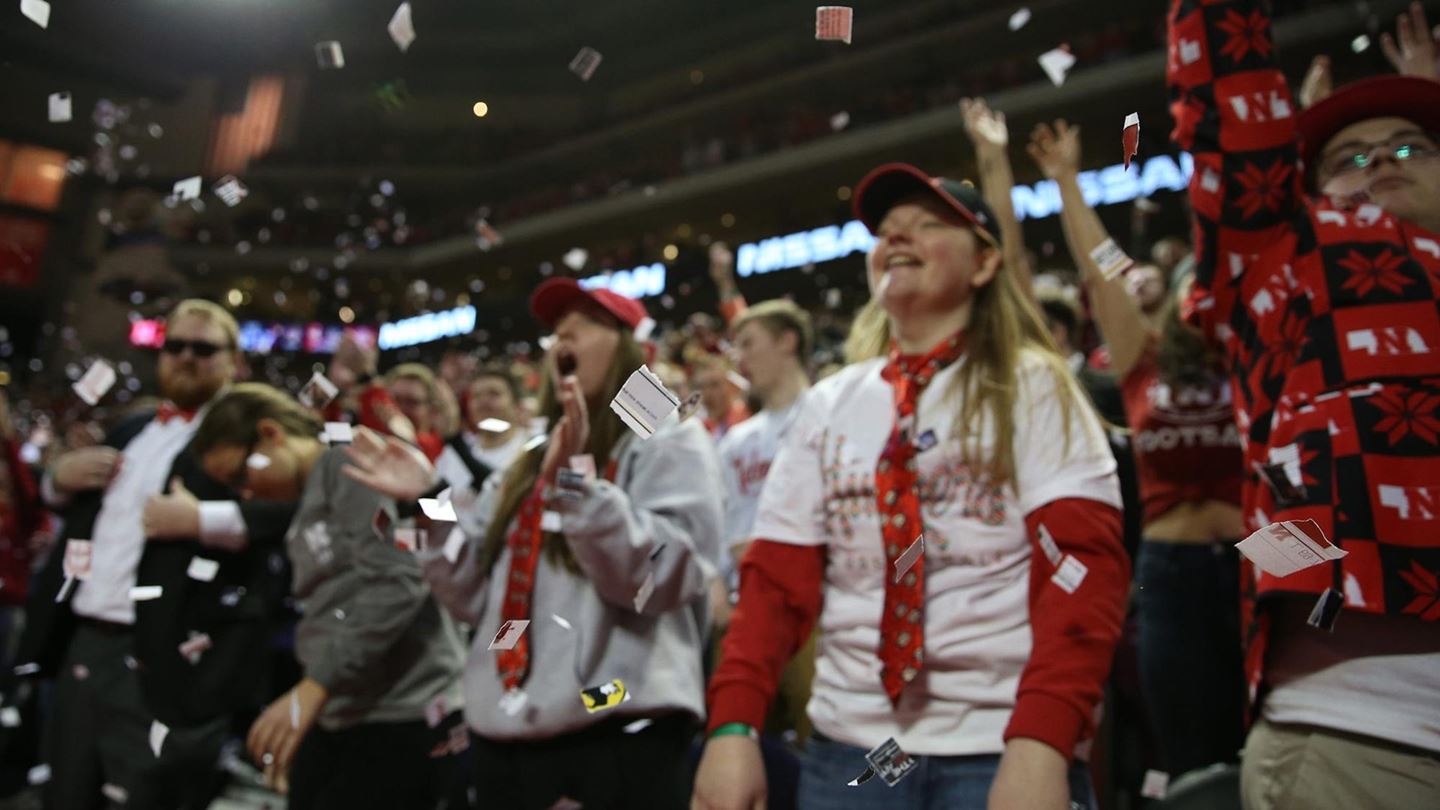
<point>1110,259</point>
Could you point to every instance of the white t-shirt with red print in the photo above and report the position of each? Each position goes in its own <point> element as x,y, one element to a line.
<point>821,491</point>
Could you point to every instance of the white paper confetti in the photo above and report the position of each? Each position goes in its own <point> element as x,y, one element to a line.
<point>115,793</point>
<point>1155,784</point>
<point>584,65</point>
<point>1281,549</point>
<point>1130,138</point>
<point>146,593</point>
<point>31,668</point>
<point>909,556</point>
<point>257,461</point>
<point>644,329</point>
<point>60,111</point>
<point>38,775</point>
<point>575,259</point>
<point>402,27</point>
<point>834,23</point>
<point>890,763</point>
<point>551,521</point>
<point>454,544</point>
<point>493,425</point>
<point>230,190</point>
<point>513,701</point>
<point>509,634</point>
<point>644,402</point>
<point>1047,545</point>
<point>330,55</point>
<point>638,726</point>
<point>1019,19</point>
<point>98,379</point>
<point>187,189</point>
<point>339,433</point>
<point>839,121</point>
<point>560,620</point>
<point>10,717</point>
<point>158,732</point>
<point>642,596</point>
<point>1057,63</point>
<point>438,509</point>
<point>202,570</point>
<point>76,563</point>
<point>317,392</point>
<point>192,648</point>
<point>39,13</point>
<point>1070,574</point>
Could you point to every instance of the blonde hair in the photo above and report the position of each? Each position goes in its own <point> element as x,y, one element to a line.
<point>1004,324</point>
<point>779,316</point>
<point>211,312</point>
<point>418,373</point>
<point>606,432</point>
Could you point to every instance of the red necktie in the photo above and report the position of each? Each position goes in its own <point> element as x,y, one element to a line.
<point>168,411</point>
<point>902,625</point>
<point>514,664</point>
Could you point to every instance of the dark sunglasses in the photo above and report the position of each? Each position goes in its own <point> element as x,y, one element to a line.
<point>199,348</point>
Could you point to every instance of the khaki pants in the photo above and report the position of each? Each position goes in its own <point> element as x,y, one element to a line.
<point>1287,767</point>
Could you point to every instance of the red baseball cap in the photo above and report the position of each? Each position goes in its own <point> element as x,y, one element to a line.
<point>1413,98</point>
<point>557,296</point>
<point>887,185</point>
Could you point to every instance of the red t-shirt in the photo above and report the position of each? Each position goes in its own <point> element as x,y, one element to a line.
<point>1186,443</point>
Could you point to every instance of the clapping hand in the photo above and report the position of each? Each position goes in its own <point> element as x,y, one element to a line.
<point>389,466</point>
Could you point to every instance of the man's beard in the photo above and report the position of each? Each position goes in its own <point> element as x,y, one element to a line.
<point>188,390</point>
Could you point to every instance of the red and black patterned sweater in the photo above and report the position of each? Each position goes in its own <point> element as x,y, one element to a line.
<point>1329,319</point>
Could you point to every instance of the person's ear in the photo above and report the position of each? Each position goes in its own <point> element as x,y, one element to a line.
<point>269,431</point>
<point>989,265</point>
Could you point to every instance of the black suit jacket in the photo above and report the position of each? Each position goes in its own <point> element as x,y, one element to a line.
<point>239,609</point>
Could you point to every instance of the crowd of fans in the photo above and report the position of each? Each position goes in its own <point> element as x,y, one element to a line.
<point>520,585</point>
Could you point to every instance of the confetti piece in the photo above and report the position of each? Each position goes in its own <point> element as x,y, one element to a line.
<point>575,259</point>
<point>330,55</point>
<point>1285,480</point>
<point>561,621</point>
<point>339,433</point>
<point>39,13</point>
<point>1019,19</point>
<point>158,732</point>
<point>1130,138</point>
<point>585,63</point>
<point>1110,259</point>
<point>909,557</point>
<point>890,763</point>
<point>202,570</point>
<point>31,668</point>
<point>318,392</point>
<point>294,709</point>
<point>146,593</point>
<point>257,461</point>
<point>66,589</point>
<point>839,121</point>
<point>454,544</point>
<point>605,696</point>
<point>10,717</point>
<point>489,237</point>
<point>1047,545</point>
<point>407,538</point>
<point>834,23</point>
<point>78,554</point>
<point>493,425</point>
<point>1155,784</point>
<point>195,646</point>
<point>550,521</point>
<point>231,191</point>
<point>187,189</point>
<point>925,441</point>
<point>60,111</point>
<point>642,596</point>
<point>1056,63</point>
<point>1070,574</point>
<point>1281,549</point>
<point>638,726</point>
<point>690,407</point>
<point>440,509</point>
<point>38,775</point>
<point>509,634</point>
<point>862,778</point>
<point>513,701</point>
<point>80,672</point>
<point>643,402</point>
<point>1326,610</point>
<point>644,329</point>
<point>98,379</point>
<point>115,793</point>
<point>402,27</point>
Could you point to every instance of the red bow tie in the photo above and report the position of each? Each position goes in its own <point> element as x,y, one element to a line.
<point>168,411</point>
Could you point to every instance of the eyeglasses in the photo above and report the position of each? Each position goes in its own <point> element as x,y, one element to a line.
<point>199,348</point>
<point>1363,156</point>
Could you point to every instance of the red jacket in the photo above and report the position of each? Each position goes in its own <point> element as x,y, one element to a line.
<point>18,524</point>
<point>1329,319</point>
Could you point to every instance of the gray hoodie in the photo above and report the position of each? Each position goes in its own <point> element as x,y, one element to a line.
<point>369,632</point>
<point>661,517</point>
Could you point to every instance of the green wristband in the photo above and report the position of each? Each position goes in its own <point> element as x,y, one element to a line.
<point>735,730</point>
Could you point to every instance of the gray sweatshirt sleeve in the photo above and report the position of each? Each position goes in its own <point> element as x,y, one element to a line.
<point>390,594</point>
<point>456,581</point>
<point>666,520</point>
